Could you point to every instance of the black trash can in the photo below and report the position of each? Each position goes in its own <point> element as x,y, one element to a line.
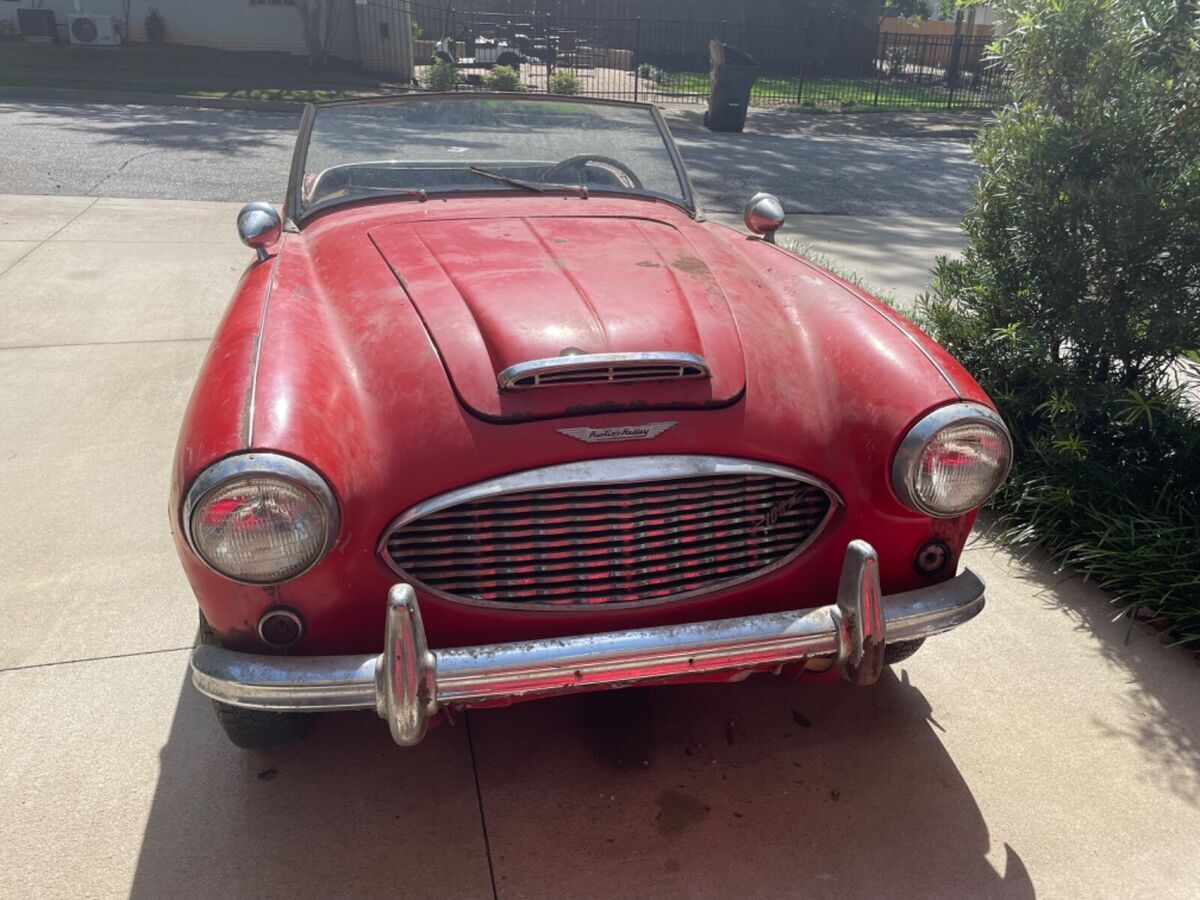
<point>732,73</point>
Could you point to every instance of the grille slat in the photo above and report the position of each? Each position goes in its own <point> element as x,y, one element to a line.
<point>566,560</point>
<point>487,552</point>
<point>630,514</point>
<point>543,504</point>
<point>618,542</point>
<point>645,491</point>
<point>666,585</point>
<point>601,528</point>
<point>641,487</point>
<point>630,564</point>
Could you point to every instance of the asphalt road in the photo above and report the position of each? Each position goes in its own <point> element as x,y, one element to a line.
<point>204,154</point>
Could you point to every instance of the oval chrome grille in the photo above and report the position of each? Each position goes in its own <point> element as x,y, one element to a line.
<point>588,533</point>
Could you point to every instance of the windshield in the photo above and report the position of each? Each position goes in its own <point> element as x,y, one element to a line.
<point>420,145</point>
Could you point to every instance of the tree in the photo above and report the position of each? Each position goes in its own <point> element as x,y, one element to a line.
<point>1079,290</point>
<point>319,20</point>
<point>1087,221</point>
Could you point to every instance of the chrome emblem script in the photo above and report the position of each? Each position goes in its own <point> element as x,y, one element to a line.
<point>777,511</point>
<point>617,432</point>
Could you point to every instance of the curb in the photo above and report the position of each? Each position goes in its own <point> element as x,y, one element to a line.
<point>825,125</point>
<point>146,98</point>
<point>875,123</point>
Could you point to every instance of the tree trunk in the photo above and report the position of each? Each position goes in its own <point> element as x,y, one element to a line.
<point>319,20</point>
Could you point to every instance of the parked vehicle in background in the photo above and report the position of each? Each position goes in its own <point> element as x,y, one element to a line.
<point>487,52</point>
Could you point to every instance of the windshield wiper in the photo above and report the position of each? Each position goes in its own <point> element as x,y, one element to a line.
<point>539,187</point>
<point>392,191</point>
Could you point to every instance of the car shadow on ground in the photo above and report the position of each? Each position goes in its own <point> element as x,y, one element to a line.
<point>703,790</point>
<point>342,813</point>
<point>766,788</point>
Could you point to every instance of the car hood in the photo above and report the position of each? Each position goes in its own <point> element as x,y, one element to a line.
<point>494,293</point>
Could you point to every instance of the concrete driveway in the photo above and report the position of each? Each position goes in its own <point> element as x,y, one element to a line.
<point>1041,750</point>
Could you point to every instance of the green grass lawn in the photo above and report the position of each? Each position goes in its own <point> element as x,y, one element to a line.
<point>835,93</point>
<point>175,69</point>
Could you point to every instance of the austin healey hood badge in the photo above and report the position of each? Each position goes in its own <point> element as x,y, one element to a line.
<point>591,435</point>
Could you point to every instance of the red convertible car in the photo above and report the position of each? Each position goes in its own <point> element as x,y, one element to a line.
<point>497,414</point>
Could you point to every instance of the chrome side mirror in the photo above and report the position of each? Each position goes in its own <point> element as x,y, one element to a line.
<point>259,226</point>
<point>764,215</point>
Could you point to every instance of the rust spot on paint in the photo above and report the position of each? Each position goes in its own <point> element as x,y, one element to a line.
<point>247,411</point>
<point>694,266</point>
<point>952,531</point>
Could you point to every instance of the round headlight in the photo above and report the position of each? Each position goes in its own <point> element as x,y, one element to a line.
<point>952,460</point>
<point>260,518</point>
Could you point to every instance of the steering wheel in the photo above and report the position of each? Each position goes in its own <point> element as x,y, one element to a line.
<point>573,166</point>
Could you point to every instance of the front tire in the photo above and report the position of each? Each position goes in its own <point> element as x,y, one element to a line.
<point>254,729</point>
<point>900,651</point>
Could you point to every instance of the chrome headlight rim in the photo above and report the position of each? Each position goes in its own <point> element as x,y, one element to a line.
<point>273,465</point>
<point>923,433</point>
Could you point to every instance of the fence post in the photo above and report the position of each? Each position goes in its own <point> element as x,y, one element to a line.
<point>637,54</point>
<point>881,58</point>
<point>952,74</point>
<point>801,66</point>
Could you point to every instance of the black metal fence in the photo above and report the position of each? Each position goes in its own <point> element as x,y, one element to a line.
<point>834,64</point>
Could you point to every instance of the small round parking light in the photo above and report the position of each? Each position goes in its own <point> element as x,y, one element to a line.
<point>932,558</point>
<point>280,627</point>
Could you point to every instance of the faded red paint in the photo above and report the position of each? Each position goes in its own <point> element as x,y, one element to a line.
<point>494,292</point>
<point>385,382</point>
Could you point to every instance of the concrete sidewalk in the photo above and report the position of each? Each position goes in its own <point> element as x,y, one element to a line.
<point>1034,751</point>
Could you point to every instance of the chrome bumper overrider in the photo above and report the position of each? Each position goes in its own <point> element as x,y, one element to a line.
<point>407,683</point>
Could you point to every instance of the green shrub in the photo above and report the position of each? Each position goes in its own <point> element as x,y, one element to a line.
<point>565,83</point>
<point>1080,290</point>
<point>155,27</point>
<point>442,76</point>
<point>652,73</point>
<point>503,78</point>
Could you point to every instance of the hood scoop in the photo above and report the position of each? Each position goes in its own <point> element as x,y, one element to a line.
<point>605,313</point>
<point>574,367</point>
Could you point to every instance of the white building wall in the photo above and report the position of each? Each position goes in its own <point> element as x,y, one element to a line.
<point>227,24</point>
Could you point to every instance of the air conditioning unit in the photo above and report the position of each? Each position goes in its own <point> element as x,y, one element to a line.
<point>37,24</point>
<point>94,31</point>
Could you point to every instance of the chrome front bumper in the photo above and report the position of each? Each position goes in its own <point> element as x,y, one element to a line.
<point>408,683</point>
